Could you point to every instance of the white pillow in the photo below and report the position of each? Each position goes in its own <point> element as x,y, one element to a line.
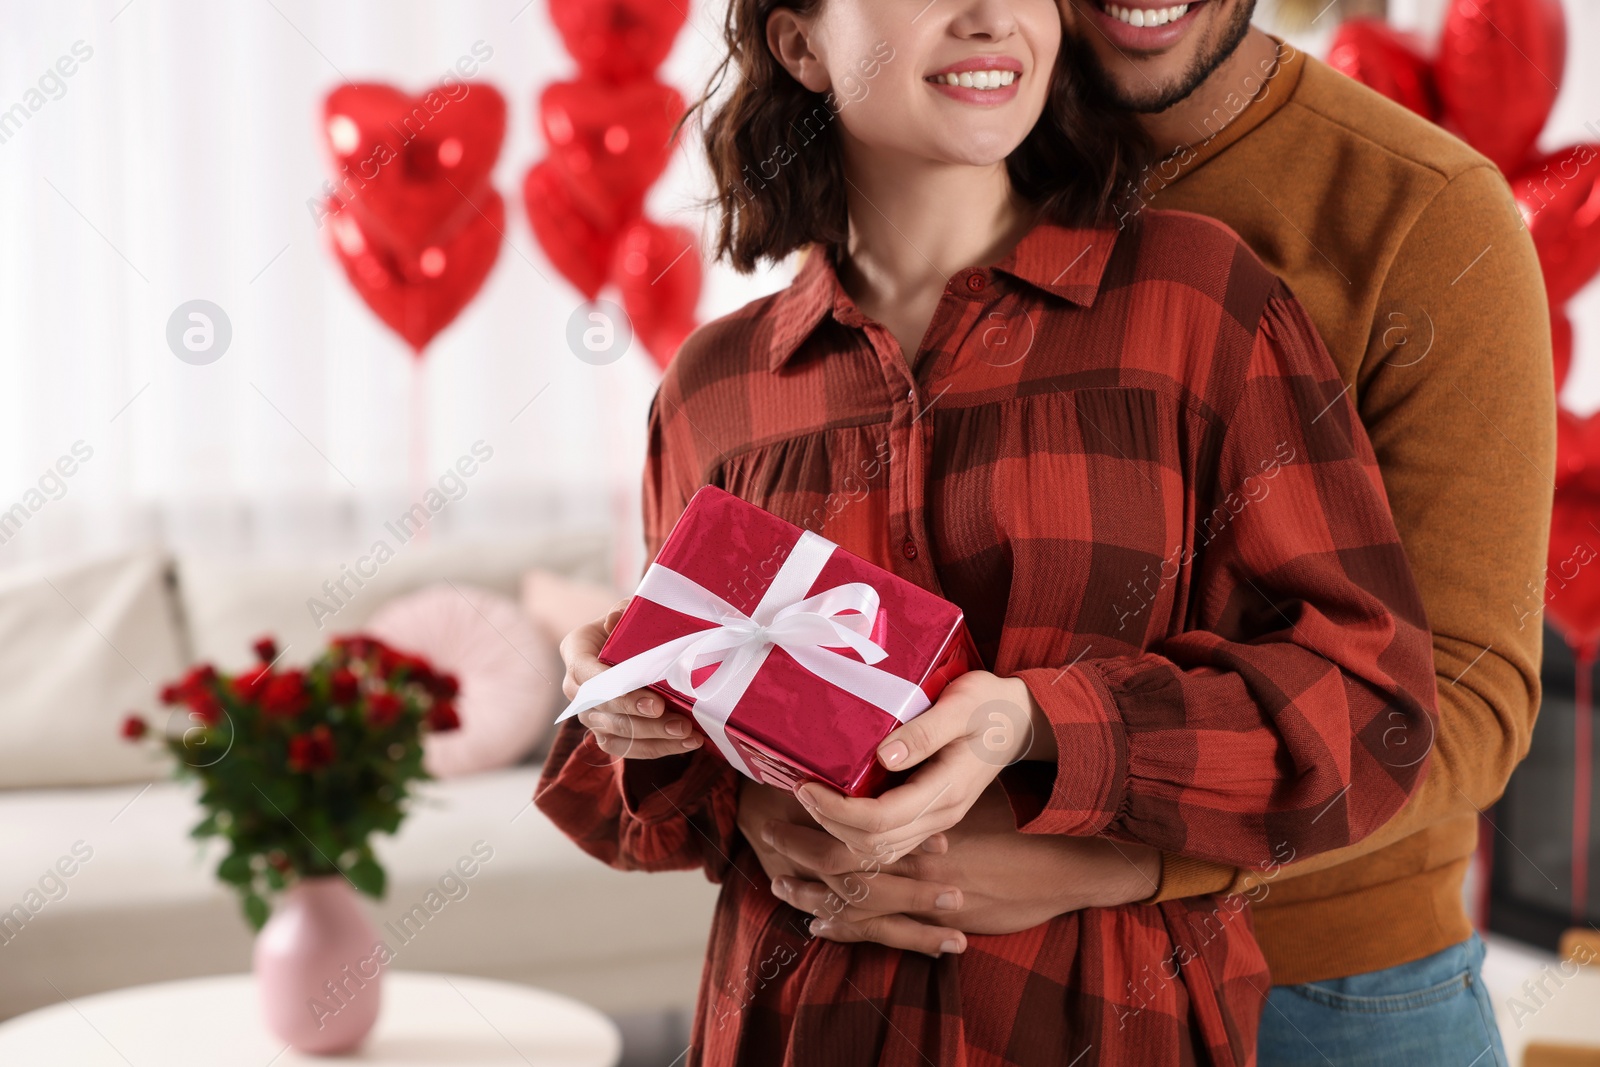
<point>80,647</point>
<point>509,673</point>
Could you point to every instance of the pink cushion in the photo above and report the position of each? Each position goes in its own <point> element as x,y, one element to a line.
<point>509,672</point>
<point>558,604</point>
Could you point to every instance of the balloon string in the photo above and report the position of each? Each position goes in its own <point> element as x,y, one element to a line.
<point>419,443</point>
<point>1582,765</point>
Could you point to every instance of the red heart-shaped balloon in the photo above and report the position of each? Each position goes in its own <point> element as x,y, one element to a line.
<point>1577,451</point>
<point>1561,344</point>
<point>1499,71</point>
<point>658,270</point>
<point>611,142</point>
<point>411,166</point>
<point>579,249</point>
<point>1572,582</point>
<point>419,294</point>
<point>1386,59</point>
<point>618,40</point>
<point>1559,196</point>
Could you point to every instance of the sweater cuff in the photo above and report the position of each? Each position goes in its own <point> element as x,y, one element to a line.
<point>1087,786</point>
<point>1185,876</point>
<point>655,790</point>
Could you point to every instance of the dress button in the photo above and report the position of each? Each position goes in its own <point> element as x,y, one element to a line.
<point>909,549</point>
<point>975,282</point>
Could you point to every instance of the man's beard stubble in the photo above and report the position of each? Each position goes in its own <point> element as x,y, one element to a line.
<point>1106,92</point>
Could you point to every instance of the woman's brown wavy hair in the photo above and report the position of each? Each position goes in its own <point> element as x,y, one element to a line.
<point>1072,166</point>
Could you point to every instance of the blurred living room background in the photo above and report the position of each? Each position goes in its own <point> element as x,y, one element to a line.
<point>213,499</point>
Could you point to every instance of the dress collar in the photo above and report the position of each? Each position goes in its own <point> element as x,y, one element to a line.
<point>1065,261</point>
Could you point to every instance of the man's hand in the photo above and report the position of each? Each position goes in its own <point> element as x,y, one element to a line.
<point>981,877</point>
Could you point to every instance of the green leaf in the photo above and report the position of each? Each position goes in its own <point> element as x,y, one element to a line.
<point>367,875</point>
<point>235,868</point>
<point>206,827</point>
<point>255,910</point>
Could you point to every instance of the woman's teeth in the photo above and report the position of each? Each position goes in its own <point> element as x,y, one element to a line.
<point>1142,16</point>
<point>978,79</point>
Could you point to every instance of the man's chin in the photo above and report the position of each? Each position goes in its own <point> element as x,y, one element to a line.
<point>1150,82</point>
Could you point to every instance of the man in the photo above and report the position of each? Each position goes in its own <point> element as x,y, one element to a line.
<point>1406,248</point>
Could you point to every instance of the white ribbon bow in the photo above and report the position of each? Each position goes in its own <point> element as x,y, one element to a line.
<point>807,629</point>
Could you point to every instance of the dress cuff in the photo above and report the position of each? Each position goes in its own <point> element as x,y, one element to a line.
<point>1087,786</point>
<point>655,790</point>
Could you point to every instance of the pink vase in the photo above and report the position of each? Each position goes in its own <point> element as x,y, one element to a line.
<point>318,965</point>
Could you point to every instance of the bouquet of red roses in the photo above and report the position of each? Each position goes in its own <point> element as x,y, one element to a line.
<point>299,767</point>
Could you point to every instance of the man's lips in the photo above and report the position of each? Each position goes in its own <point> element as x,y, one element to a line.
<point>1142,26</point>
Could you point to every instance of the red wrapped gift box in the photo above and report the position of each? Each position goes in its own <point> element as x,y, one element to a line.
<point>797,713</point>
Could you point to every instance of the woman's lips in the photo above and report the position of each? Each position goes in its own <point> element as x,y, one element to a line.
<point>1121,32</point>
<point>972,93</point>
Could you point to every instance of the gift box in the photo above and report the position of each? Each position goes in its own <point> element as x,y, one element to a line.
<point>794,657</point>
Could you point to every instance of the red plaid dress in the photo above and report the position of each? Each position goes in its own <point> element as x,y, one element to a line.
<point>1131,462</point>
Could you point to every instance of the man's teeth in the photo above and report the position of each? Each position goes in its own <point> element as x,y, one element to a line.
<point>978,79</point>
<point>1142,16</point>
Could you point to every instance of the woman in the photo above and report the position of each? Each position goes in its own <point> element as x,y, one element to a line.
<point>1122,450</point>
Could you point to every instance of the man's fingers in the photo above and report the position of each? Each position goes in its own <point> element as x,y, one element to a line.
<point>810,848</point>
<point>895,931</point>
<point>853,897</point>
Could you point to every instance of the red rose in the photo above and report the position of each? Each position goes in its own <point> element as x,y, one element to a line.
<point>171,694</point>
<point>442,717</point>
<point>356,646</point>
<point>342,685</point>
<point>206,708</point>
<point>248,685</point>
<point>266,649</point>
<point>199,677</point>
<point>311,750</point>
<point>284,695</point>
<point>383,709</point>
<point>444,686</point>
<point>133,727</point>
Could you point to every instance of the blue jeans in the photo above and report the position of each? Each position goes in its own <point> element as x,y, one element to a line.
<point>1431,1011</point>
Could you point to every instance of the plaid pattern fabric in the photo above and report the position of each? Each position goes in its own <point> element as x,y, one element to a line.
<point>1131,462</point>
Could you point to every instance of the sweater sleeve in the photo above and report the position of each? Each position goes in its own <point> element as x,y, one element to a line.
<point>1458,397</point>
<point>676,812</point>
<point>1295,712</point>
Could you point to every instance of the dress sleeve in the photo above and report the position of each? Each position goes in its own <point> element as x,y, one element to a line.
<point>673,813</point>
<point>1297,712</point>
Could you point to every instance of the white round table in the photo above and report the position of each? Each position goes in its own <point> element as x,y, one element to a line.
<point>437,1020</point>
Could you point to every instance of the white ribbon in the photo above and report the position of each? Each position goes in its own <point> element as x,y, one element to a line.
<point>807,629</point>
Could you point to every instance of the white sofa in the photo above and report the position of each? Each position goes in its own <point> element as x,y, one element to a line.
<point>79,646</point>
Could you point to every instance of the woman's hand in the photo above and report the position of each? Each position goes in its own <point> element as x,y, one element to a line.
<point>636,725</point>
<point>980,724</point>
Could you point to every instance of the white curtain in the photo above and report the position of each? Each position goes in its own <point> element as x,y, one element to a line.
<point>176,162</point>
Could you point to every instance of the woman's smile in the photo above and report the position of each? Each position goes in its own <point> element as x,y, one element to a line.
<point>983,80</point>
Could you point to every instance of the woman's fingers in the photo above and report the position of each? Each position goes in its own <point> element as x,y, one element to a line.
<point>926,734</point>
<point>670,726</point>
<point>895,822</point>
<point>635,748</point>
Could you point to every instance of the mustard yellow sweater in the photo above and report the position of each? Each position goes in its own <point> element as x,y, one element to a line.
<point>1406,247</point>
